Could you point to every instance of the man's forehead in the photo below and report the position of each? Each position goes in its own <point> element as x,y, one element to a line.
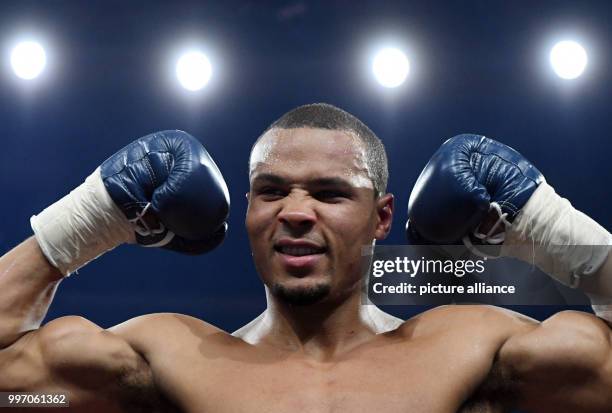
<point>306,143</point>
<point>323,139</point>
<point>316,152</point>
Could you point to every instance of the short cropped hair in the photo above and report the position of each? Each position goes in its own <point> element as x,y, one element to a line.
<point>326,116</point>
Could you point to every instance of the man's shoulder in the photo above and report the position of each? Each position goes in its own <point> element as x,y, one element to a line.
<point>475,320</point>
<point>156,321</point>
<point>166,331</point>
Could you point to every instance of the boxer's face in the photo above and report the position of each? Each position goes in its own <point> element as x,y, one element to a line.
<point>311,209</point>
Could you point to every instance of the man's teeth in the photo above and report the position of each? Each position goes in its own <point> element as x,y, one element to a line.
<point>299,251</point>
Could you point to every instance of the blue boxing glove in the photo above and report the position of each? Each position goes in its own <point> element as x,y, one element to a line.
<point>162,190</point>
<point>467,177</point>
<point>169,187</point>
<point>471,179</point>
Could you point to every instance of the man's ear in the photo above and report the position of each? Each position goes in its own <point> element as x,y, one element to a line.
<point>384,210</point>
<point>248,196</point>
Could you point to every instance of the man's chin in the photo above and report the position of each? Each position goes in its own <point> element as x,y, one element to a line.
<point>301,295</point>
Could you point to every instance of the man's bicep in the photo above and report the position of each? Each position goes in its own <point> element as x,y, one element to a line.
<point>563,364</point>
<point>73,355</point>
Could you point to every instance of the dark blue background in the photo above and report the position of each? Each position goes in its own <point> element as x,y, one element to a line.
<point>478,66</point>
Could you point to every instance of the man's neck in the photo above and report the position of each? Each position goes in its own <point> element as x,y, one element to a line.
<point>320,331</point>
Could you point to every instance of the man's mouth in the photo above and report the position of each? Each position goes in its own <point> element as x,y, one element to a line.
<point>299,254</point>
<point>298,251</point>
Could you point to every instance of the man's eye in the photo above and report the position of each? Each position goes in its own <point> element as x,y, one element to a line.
<point>330,195</point>
<point>271,192</point>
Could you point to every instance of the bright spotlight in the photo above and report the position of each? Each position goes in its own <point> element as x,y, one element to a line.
<point>568,59</point>
<point>390,67</point>
<point>193,70</point>
<point>28,60</point>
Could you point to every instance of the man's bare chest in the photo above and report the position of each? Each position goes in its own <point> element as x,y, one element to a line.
<point>381,381</point>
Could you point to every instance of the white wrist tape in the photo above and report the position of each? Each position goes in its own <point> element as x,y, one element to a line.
<point>81,226</point>
<point>565,243</point>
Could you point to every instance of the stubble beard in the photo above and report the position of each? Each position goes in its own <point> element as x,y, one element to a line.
<point>301,296</point>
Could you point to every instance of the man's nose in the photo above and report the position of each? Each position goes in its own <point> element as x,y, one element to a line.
<point>297,214</point>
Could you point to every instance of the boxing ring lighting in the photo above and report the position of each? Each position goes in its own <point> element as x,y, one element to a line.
<point>28,60</point>
<point>568,59</point>
<point>390,67</point>
<point>193,70</point>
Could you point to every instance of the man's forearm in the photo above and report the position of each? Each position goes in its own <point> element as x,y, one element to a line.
<point>27,285</point>
<point>599,283</point>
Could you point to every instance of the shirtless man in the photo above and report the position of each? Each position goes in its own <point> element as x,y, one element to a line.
<point>317,195</point>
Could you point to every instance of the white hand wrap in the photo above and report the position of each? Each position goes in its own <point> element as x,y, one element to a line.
<point>81,226</point>
<point>565,243</point>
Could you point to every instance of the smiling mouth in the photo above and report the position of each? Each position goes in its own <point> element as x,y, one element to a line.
<point>300,260</point>
<point>298,251</point>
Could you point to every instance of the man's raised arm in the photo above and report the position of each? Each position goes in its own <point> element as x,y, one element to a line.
<point>27,285</point>
<point>564,363</point>
<point>163,190</point>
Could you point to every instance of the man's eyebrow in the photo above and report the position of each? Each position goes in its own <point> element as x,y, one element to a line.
<point>323,181</point>
<point>271,178</point>
<point>332,181</point>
